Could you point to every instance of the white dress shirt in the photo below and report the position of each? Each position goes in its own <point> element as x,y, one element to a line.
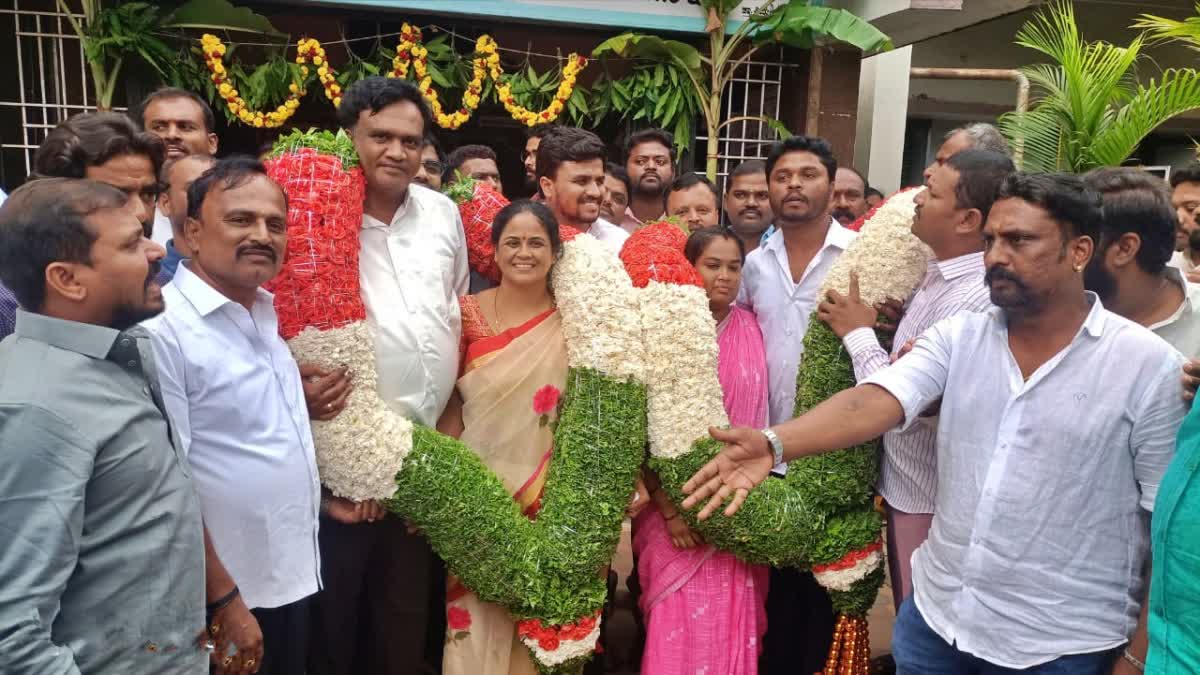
<point>1182,329</point>
<point>1180,261</point>
<point>161,233</point>
<point>412,272</point>
<point>235,401</point>
<point>613,236</point>
<point>1045,485</point>
<point>908,472</point>
<point>784,307</point>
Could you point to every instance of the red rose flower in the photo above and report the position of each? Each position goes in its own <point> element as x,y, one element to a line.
<point>458,618</point>
<point>545,400</point>
<point>548,643</point>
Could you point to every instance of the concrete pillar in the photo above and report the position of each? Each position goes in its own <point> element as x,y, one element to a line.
<point>882,117</point>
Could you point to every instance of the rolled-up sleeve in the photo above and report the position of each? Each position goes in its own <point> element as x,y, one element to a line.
<point>45,468</point>
<point>919,377</point>
<point>1155,427</point>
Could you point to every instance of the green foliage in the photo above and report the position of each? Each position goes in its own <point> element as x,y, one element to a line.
<point>1089,109</point>
<point>120,30</point>
<point>798,24</point>
<point>548,568</point>
<point>653,94</point>
<point>1186,31</point>
<point>338,144</point>
<point>219,15</point>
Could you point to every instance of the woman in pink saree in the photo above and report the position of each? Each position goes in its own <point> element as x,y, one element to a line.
<point>704,609</point>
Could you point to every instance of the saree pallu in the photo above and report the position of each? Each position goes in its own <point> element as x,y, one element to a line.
<point>705,610</point>
<point>510,387</point>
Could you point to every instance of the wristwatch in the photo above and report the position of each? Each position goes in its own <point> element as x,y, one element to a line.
<point>776,445</point>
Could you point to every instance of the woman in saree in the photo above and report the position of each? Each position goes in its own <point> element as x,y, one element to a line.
<point>704,609</point>
<point>514,368</point>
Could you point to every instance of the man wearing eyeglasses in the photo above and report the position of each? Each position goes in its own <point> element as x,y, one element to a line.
<point>433,162</point>
<point>650,162</point>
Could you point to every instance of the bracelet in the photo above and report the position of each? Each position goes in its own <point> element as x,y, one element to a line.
<point>222,602</point>
<point>1133,660</point>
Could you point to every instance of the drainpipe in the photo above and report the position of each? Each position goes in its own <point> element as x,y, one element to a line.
<point>984,74</point>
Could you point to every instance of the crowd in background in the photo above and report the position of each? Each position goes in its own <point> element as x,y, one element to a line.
<point>162,505</point>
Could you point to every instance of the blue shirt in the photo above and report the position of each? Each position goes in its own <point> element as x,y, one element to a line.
<point>170,263</point>
<point>102,560</point>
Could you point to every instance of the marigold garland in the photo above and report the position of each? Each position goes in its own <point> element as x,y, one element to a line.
<point>214,50</point>
<point>411,57</point>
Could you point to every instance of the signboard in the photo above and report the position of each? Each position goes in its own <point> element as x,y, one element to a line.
<point>671,15</point>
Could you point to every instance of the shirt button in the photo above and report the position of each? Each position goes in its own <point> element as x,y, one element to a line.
<point>146,390</point>
<point>132,364</point>
<point>125,342</point>
<point>151,647</point>
<point>789,333</point>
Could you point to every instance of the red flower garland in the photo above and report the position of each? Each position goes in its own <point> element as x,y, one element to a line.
<point>549,637</point>
<point>318,285</point>
<point>849,560</point>
<point>655,253</point>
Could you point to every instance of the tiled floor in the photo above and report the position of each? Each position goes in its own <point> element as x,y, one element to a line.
<point>622,628</point>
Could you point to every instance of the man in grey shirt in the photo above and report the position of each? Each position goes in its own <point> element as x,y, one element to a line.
<point>102,561</point>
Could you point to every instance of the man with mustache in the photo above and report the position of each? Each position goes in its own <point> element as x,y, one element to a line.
<point>102,565</point>
<point>106,147</point>
<point>1129,270</point>
<point>978,136</point>
<point>473,161</point>
<point>219,355</point>
<point>433,163</point>
<point>617,187</point>
<point>529,157</point>
<point>747,203</point>
<point>570,167</point>
<point>779,283</point>
<point>1185,198</point>
<point>379,580</point>
<point>693,199</point>
<point>185,123</point>
<point>1058,420</point>
<point>849,196</point>
<point>949,219</point>
<point>650,162</point>
<point>177,175</point>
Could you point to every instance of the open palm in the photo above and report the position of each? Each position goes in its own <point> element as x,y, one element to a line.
<point>743,463</point>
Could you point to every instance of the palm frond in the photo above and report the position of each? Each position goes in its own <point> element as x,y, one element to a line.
<point>1161,28</point>
<point>1178,91</point>
<point>1039,134</point>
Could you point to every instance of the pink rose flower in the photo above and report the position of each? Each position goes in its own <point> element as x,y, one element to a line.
<point>458,618</point>
<point>545,400</point>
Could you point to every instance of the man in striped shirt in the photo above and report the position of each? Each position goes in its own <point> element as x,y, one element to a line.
<point>949,217</point>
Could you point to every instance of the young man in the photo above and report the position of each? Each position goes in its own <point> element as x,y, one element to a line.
<point>748,204</point>
<point>978,136</point>
<point>1185,197</point>
<point>849,196</point>
<point>1129,270</point>
<point>374,612</point>
<point>693,199</point>
<point>177,175</point>
<point>949,219</point>
<point>218,352</point>
<point>650,161</point>
<point>529,157</point>
<point>617,187</point>
<point>185,123</point>
<point>474,161</point>
<point>102,567</point>
<point>779,283</point>
<point>433,163</point>
<point>1057,421</point>
<point>570,167</point>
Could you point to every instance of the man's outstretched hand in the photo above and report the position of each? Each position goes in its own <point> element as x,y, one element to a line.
<point>743,463</point>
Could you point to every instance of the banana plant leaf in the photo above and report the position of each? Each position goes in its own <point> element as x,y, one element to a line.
<point>219,15</point>
<point>798,24</point>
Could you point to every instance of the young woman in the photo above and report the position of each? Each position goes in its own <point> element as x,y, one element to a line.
<point>514,368</point>
<point>704,609</point>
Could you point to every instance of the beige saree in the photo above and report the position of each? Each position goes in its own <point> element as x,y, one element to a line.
<point>510,386</point>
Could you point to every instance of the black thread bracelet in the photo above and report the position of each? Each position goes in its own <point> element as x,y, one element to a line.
<point>213,607</point>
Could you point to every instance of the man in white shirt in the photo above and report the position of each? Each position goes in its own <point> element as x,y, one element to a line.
<point>1129,271</point>
<point>185,123</point>
<point>381,583</point>
<point>1057,422</point>
<point>570,171</point>
<point>233,397</point>
<point>779,284</point>
<point>1185,198</point>
<point>949,219</point>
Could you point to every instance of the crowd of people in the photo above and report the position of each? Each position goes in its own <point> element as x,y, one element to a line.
<point>163,508</point>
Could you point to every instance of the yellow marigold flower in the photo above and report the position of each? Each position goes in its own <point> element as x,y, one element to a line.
<point>294,88</point>
<point>322,71</point>
<point>337,101</point>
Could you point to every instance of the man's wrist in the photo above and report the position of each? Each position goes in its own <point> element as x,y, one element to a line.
<point>774,445</point>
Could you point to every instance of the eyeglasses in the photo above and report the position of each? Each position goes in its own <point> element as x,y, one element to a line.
<point>432,166</point>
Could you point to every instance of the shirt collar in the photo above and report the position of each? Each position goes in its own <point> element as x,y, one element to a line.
<point>203,297</point>
<point>629,214</point>
<point>1175,275</point>
<point>83,338</point>
<point>960,266</point>
<point>1093,324</point>
<point>836,236</point>
<point>411,200</point>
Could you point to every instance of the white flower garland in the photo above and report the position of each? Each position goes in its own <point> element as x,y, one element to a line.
<point>360,451</point>
<point>600,313</point>
<point>844,579</point>
<point>888,257</point>
<point>567,649</point>
<point>682,388</point>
